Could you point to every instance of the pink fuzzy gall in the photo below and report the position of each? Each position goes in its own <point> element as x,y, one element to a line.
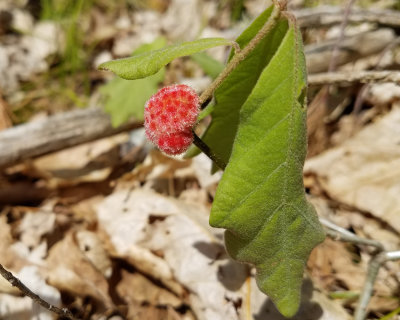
<point>169,116</point>
<point>175,143</point>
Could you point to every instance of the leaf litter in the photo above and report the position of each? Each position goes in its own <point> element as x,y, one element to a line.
<point>110,238</point>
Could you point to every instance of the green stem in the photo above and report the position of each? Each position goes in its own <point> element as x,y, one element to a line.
<point>242,54</point>
<point>208,152</point>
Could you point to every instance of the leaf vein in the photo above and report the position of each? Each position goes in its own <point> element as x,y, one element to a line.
<point>260,185</point>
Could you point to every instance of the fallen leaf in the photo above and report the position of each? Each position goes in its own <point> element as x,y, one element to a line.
<point>35,225</point>
<point>364,172</point>
<point>334,265</point>
<point>70,270</point>
<point>92,248</point>
<point>134,287</point>
<point>186,247</point>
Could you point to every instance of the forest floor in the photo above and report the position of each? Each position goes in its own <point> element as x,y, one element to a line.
<point>114,229</point>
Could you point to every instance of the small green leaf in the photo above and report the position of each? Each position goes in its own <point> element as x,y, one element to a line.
<point>234,91</point>
<point>125,99</point>
<point>210,66</point>
<point>260,199</point>
<point>148,63</point>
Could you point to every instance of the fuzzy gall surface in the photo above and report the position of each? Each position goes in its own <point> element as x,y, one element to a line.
<point>169,116</point>
<point>175,143</point>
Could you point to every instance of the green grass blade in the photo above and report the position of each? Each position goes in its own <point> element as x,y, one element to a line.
<point>391,315</point>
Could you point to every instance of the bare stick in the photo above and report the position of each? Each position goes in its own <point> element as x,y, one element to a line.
<point>55,133</point>
<point>242,54</point>
<point>353,77</point>
<point>325,16</point>
<point>373,42</point>
<point>26,291</point>
<point>335,52</point>
<point>338,233</point>
<point>373,267</point>
<point>361,94</point>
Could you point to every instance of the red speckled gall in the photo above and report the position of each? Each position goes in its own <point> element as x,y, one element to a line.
<point>169,116</point>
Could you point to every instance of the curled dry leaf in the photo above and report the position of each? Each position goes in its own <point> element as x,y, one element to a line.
<point>364,172</point>
<point>70,270</point>
<point>176,236</point>
<point>35,225</point>
<point>92,248</point>
<point>134,287</point>
<point>27,55</point>
<point>334,264</point>
<point>182,20</point>
<point>171,241</point>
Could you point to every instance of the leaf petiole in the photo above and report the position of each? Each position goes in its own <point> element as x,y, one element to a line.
<point>207,151</point>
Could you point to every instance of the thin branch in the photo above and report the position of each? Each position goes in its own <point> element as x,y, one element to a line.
<point>363,91</point>
<point>338,233</point>
<point>353,77</point>
<point>335,51</point>
<point>242,54</point>
<point>373,267</point>
<point>374,42</point>
<point>26,291</point>
<point>325,16</point>
<point>376,262</point>
<point>208,152</point>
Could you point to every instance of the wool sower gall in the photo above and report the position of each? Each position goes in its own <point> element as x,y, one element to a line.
<point>169,117</point>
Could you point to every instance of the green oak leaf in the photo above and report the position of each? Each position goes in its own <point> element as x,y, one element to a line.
<point>260,199</point>
<point>124,99</point>
<point>233,92</point>
<point>146,64</point>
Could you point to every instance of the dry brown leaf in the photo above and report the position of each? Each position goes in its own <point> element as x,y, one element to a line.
<point>170,240</point>
<point>70,270</point>
<point>334,266</point>
<point>35,225</point>
<point>154,230</point>
<point>343,275</point>
<point>364,172</point>
<point>8,257</point>
<point>92,248</point>
<point>150,263</point>
<point>182,20</point>
<point>84,210</point>
<point>5,120</point>
<point>135,288</point>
